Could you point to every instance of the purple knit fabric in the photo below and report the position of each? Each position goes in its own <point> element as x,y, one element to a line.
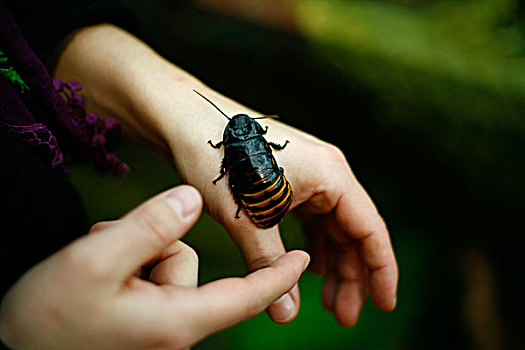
<point>50,109</point>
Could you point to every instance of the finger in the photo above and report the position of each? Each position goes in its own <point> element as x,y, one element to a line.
<point>179,265</point>
<point>329,289</point>
<point>350,292</point>
<point>260,248</point>
<point>102,225</point>
<point>143,234</point>
<point>351,289</point>
<point>316,246</point>
<point>357,215</point>
<point>226,302</point>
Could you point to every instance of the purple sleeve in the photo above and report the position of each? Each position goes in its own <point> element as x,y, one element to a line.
<point>45,24</point>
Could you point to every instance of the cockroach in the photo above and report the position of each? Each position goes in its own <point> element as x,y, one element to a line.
<point>256,181</point>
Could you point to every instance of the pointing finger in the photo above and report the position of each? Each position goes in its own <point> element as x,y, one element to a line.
<point>179,266</point>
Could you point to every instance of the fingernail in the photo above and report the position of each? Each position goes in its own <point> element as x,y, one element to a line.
<point>184,200</point>
<point>283,308</point>
<point>306,262</point>
<point>394,302</point>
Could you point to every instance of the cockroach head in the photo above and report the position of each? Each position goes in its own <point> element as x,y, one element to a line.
<point>241,127</point>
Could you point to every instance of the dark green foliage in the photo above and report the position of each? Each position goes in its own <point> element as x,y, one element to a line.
<point>433,95</point>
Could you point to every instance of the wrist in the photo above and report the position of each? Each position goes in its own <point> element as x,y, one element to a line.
<point>153,99</point>
<point>185,122</point>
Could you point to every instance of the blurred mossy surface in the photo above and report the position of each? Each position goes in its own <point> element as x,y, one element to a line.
<point>451,73</point>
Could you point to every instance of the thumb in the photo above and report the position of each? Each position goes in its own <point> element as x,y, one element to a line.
<point>226,302</point>
<point>146,231</point>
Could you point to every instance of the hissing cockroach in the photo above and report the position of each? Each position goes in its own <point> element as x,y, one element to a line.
<point>255,180</point>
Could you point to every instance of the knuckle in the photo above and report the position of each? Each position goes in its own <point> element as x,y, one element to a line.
<point>376,232</point>
<point>261,262</point>
<point>335,165</point>
<point>101,226</point>
<point>334,154</point>
<point>378,226</point>
<point>97,226</point>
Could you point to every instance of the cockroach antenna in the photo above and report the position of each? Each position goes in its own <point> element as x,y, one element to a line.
<point>268,116</point>
<point>213,104</point>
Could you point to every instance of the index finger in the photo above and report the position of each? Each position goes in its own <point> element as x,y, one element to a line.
<point>358,217</point>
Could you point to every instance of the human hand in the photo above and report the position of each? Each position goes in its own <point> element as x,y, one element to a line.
<point>349,241</point>
<point>88,295</point>
<point>156,104</point>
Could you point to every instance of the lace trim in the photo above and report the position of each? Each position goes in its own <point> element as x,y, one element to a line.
<point>39,135</point>
<point>96,127</point>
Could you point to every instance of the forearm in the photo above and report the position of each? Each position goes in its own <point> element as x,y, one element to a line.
<point>124,78</point>
<point>114,68</point>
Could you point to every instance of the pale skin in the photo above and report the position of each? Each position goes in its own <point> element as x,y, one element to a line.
<point>154,99</point>
<point>88,295</point>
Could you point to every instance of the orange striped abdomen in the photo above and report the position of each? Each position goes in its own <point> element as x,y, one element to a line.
<point>268,205</point>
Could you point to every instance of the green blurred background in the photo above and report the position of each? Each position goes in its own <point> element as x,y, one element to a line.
<point>426,99</point>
